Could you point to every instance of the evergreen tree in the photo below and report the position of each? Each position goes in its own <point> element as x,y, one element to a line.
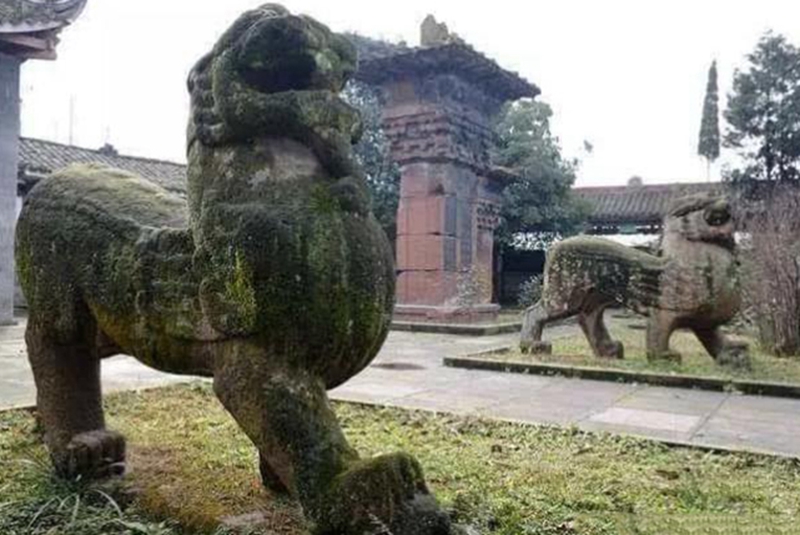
<point>764,117</point>
<point>538,204</point>
<point>708,146</point>
<point>764,113</point>
<point>372,152</point>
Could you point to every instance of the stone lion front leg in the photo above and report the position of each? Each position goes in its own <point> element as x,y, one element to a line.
<point>725,351</point>
<point>533,321</point>
<point>69,404</point>
<point>660,325</point>
<point>303,450</point>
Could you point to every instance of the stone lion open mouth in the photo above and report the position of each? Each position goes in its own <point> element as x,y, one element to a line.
<point>283,52</point>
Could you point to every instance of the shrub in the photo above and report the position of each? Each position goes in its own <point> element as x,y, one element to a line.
<point>474,286</point>
<point>770,256</point>
<point>530,291</point>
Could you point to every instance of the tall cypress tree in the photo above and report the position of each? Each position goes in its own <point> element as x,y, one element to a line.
<point>708,147</point>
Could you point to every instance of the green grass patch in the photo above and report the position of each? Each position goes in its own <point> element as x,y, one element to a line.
<point>191,466</point>
<point>574,350</point>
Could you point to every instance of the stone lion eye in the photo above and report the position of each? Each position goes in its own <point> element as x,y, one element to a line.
<point>717,216</point>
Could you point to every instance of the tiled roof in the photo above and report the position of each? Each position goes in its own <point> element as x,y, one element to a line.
<point>611,205</point>
<point>38,158</point>
<point>452,58</point>
<point>645,204</point>
<point>28,16</point>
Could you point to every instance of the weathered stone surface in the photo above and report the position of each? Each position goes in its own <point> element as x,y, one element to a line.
<point>434,33</point>
<point>276,280</point>
<point>692,284</point>
<point>445,193</point>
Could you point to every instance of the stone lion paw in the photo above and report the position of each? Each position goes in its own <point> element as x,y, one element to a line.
<point>735,355</point>
<point>94,454</point>
<point>665,356</point>
<point>612,350</point>
<point>388,493</point>
<point>536,347</point>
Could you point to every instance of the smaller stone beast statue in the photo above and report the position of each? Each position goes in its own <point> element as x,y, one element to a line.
<point>693,284</point>
<point>275,278</point>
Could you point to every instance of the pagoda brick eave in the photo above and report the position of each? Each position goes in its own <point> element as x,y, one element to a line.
<point>453,58</point>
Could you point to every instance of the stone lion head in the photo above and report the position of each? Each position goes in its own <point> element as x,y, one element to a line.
<point>267,51</point>
<point>702,217</point>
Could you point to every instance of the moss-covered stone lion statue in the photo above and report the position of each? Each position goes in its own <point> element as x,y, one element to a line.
<point>275,279</point>
<point>693,284</point>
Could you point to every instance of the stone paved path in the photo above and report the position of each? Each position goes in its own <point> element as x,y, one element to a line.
<point>408,373</point>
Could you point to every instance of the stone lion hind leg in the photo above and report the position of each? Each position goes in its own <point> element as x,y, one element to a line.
<point>69,405</point>
<point>303,450</point>
<point>603,346</point>
<point>725,351</point>
<point>660,326</point>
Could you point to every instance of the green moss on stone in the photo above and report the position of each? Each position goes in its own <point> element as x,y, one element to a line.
<point>275,278</point>
<point>239,290</point>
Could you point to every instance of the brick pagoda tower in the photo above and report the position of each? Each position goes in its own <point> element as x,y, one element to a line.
<point>439,100</point>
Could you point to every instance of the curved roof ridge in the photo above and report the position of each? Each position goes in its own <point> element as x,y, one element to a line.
<point>39,157</point>
<point>100,151</point>
<point>451,57</point>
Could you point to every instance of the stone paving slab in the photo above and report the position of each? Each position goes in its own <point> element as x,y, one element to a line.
<point>596,395</point>
<point>750,436</point>
<point>533,409</point>
<point>118,374</point>
<point>646,419</point>
<point>376,391</point>
<point>438,401</point>
<point>674,400</point>
<point>409,373</point>
<point>665,435</point>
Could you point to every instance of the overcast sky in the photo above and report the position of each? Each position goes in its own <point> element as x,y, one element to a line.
<point>627,75</point>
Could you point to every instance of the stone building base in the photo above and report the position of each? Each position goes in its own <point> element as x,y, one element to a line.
<point>447,314</point>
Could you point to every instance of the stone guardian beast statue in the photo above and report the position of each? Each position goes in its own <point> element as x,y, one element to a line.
<point>693,284</point>
<point>276,279</point>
